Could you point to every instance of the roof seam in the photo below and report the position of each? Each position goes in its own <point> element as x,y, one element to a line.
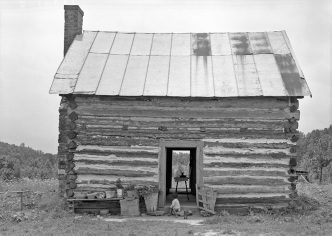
<point>102,72</point>
<point>169,64</point>
<point>125,71</point>
<point>147,68</point>
<point>232,55</point>
<point>190,54</point>
<point>214,87</point>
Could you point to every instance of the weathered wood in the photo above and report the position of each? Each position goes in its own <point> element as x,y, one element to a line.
<point>115,172</point>
<point>236,164</point>
<point>73,116</point>
<point>256,102</point>
<point>105,137</point>
<point>292,162</point>
<point>246,171</point>
<point>110,179</point>
<point>243,151</point>
<point>187,113</point>
<point>246,180</point>
<point>245,148</point>
<point>245,189</point>
<point>171,122</point>
<point>243,200</point>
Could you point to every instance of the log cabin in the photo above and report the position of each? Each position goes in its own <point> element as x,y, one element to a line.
<point>129,100</point>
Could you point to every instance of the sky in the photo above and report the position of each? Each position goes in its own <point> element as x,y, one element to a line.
<point>31,49</point>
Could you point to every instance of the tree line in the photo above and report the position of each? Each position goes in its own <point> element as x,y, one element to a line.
<point>21,161</point>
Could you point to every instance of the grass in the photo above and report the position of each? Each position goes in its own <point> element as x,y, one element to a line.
<point>44,214</point>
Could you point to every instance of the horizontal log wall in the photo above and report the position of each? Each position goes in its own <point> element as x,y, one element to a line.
<point>248,142</point>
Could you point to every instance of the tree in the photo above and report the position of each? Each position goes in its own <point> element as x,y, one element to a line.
<point>323,151</point>
<point>315,152</point>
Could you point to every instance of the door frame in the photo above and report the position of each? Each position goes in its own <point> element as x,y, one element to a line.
<point>164,144</point>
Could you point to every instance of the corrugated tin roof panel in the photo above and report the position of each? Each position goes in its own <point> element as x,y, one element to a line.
<point>278,42</point>
<point>142,45</point>
<point>246,76</point>
<point>180,45</point>
<point>122,43</point>
<point>220,44</point>
<point>224,76</point>
<point>269,75</point>
<point>134,78</point>
<point>260,43</point>
<point>76,54</point>
<point>240,43</point>
<point>161,45</point>
<point>197,64</point>
<point>158,68</point>
<point>201,76</point>
<point>103,42</point>
<point>89,77</point>
<point>111,80</point>
<point>179,77</point>
<point>290,75</point>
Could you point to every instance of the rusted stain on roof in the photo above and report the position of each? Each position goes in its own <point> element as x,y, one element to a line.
<point>189,65</point>
<point>240,43</point>
<point>289,74</point>
<point>260,43</point>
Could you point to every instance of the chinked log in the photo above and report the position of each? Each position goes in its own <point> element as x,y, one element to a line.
<point>115,172</point>
<point>240,172</point>
<point>245,189</point>
<point>132,163</point>
<point>188,113</point>
<point>139,129</point>
<point>245,180</point>
<point>127,151</point>
<point>292,162</point>
<point>111,179</point>
<point>243,162</point>
<point>109,122</point>
<point>116,141</point>
<point>248,158</point>
<point>262,102</point>
<point>249,145</point>
<point>243,165</point>
<point>295,137</point>
<point>244,151</point>
<point>186,135</point>
<point>291,127</point>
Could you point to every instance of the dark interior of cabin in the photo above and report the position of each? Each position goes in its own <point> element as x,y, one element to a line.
<point>181,174</point>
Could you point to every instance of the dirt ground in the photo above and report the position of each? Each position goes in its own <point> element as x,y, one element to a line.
<point>45,216</point>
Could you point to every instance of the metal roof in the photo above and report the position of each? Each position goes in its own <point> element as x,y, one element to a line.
<point>181,65</point>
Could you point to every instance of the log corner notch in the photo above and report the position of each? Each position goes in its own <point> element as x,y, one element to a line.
<point>67,145</point>
<point>290,128</point>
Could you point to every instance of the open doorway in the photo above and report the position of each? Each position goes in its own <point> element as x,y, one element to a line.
<point>188,155</point>
<point>181,174</point>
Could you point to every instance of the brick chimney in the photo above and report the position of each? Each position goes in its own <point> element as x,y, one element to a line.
<point>73,24</point>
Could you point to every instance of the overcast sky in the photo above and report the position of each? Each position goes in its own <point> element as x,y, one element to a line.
<point>31,47</point>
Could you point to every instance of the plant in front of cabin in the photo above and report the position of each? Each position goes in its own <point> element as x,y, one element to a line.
<point>130,191</point>
<point>119,186</point>
<point>144,190</point>
<point>150,194</point>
